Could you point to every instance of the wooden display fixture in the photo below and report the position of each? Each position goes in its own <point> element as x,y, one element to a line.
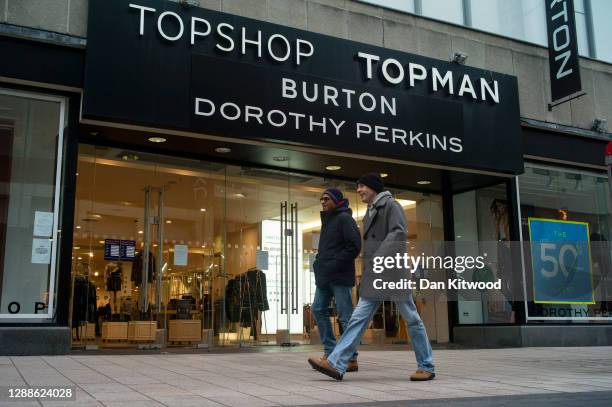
<point>235,336</point>
<point>85,333</point>
<point>184,331</point>
<point>142,331</point>
<point>373,336</point>
<point>114,331</point>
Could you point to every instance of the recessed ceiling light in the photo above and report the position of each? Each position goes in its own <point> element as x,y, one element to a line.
<point>168,221</point>
<point>78,227</point>
<point>424,182</point>
<point>333,167</point>
<point>101,242</point>
<point>90,254</point>
<point>79,258</point>
<point>280,158</point>
<point>140,232</point>
<point>203,246</point>
<point>384,175</point>
<point>223,150</point>
<point>92,217</point>
<point>77,247</point>
<point>202,209</point>
<point>157,139</point>
<point>239,195</point>
<point>96,274</point>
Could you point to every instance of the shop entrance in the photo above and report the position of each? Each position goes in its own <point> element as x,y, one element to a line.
<point>172,251</point>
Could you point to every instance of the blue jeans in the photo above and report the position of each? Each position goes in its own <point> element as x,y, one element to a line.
<point>363,314</point>
<point>320,310</point>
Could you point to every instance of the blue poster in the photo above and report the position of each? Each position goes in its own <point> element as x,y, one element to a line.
<point>561,260</point>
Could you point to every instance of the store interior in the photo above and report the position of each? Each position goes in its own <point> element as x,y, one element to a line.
<point>229,276</point>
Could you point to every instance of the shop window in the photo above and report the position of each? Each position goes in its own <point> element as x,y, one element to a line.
<point>220,260</point>
<point>445,10</point>
<point>581,27</point>
<point>400,5</point>
<point>522,19</point>
<point>601,11</point>
<point>566,220</point>
<point>30,144</point>
<point>482,225</point>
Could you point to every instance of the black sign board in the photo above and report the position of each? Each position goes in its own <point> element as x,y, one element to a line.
<point>155,63</point>
<point>562,49</point>
<point>119,250</point>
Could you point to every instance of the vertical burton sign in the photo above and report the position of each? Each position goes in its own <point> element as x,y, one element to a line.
<point>562,50</point>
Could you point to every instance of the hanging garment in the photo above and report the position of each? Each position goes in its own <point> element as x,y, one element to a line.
<point>83,302</point>
<point>258,290</point>
<point>114,280</point>
<point>137,266</point>
<point>232,300</point>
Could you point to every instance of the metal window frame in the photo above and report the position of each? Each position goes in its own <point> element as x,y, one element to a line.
<point>52,282</point>
<point>588,17</point>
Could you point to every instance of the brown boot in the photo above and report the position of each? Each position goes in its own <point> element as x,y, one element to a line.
<point>323,366</point>
<point>422,376</point>
<point>323,357</point>
<point>352,366</point>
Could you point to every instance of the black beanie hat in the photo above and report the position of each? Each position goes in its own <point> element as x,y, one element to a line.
<point>372,180</point>
<point>335,194</point>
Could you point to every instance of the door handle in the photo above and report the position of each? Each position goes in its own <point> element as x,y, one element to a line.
<point>283,210</point>
<point>295,262</point>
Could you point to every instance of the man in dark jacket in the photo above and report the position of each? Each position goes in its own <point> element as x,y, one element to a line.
<point>384,235</point>
<point>334,268</point>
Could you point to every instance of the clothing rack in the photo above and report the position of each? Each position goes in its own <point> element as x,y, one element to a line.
<point>246,290</point>
<point>83,303</point>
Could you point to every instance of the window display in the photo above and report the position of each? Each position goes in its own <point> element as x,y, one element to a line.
<point>31,134</point>
<point>566,214</point>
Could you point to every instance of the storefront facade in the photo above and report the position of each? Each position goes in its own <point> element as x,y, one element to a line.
<point>164,167</point>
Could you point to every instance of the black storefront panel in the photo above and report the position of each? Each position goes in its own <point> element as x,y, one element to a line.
<point>156,63</point>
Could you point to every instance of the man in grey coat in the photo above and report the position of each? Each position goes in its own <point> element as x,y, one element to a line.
<point>384,235</point>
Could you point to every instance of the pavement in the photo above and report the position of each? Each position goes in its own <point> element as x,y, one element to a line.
<point>488,377</point>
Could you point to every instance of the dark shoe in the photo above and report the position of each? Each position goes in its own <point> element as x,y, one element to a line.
<point>325,367</point>
<point>422,376</point>
<point>352,366</point>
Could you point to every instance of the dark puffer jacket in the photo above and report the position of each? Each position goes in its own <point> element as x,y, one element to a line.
<point>339,245</point>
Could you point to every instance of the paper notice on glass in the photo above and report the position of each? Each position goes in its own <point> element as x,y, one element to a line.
<point>41,251</point>
<point>43,224</point>
<point>261,259</point>
<point>180,255</point>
